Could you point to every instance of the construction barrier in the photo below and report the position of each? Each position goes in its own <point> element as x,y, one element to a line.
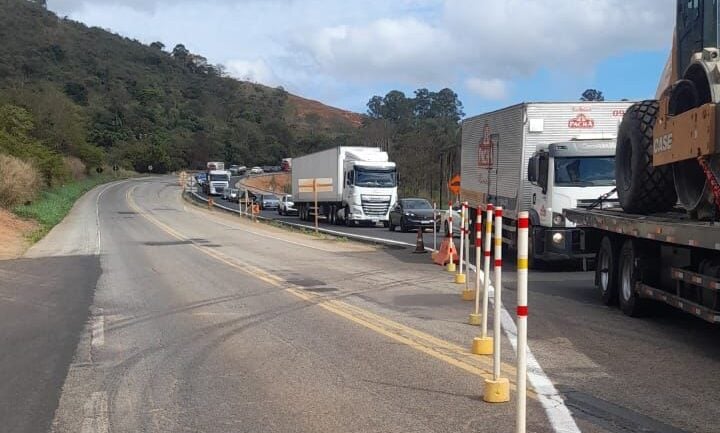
<point>522,313</point>
<point>452,250</point>
<point>419,243</point>
<point>475,317</point>
<point>483,344</point>
<point>460,276</point>
<point>497,389</point>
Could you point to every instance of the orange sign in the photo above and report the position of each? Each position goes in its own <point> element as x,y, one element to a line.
<point>454,184</point>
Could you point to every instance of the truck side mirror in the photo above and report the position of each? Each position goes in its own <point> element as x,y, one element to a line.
<point>532,173</point>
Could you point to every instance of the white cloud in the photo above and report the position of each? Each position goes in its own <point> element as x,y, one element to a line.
<point>493,89</point>
<point>257,71</point>
<point>499,40</point>
<point>324,47</point>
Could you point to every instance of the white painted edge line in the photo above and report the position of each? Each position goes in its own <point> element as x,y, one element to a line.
<point>98,330</point>
<point>558,414</point>
<point>95,414</point>
<point>98,245</point>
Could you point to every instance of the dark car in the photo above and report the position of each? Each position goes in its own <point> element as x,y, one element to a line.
<point>412,213</point>
<point>268,201</point>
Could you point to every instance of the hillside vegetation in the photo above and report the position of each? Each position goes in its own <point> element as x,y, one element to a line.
<point>69,89</point>
<point>74,99</point>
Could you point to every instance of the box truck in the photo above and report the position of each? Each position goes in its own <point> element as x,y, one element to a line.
<point>363,185</point>
<point>544,158</point>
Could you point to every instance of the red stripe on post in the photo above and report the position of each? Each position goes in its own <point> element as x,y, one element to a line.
<point>498,212</point>
<point>486,253</point>
<point>490,207</point>
<point>524,223</point>
<point>498,263</point>
<point>522,311</point>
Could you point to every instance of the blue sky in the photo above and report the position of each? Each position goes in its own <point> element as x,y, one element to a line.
<point>492,53</point>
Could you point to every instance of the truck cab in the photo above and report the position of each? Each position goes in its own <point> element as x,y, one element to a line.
<point>567,175</point>
<point>370,190</point>
<point>217,182</point>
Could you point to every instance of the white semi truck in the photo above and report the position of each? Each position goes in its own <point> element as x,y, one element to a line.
<point>364,185</point>
<point>218,180</point>
<point>541,157</point>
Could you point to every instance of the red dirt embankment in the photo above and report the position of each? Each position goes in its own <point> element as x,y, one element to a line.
<point>13,232</point>
<point>277,182</point>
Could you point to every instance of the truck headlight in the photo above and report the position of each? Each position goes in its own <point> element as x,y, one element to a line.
<point>558,238</point>
<point>558,220</point>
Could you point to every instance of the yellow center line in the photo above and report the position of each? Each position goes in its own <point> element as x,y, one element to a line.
<point>440,349</point>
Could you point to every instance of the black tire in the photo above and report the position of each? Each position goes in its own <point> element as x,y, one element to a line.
<point>403,228</point>
<point>348,222</point>
<point>606,273</point>
<point>628,276</point>
<point>641,188</point>
<point>533,263</point>
<point>446,228</point>
<point>391,226</point>
<point>386,224</point>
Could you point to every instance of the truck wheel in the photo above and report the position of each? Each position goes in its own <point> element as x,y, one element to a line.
<point>641,188</point>
<point>628,276</point>
<point>533,263</point>
<point>348,221</point>
<point>606,274</point>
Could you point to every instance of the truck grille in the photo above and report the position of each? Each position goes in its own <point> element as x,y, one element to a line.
<point>374,205</point>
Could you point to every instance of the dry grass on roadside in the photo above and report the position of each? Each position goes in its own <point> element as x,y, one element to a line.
<point>20,181</point>
<point>76,167</point>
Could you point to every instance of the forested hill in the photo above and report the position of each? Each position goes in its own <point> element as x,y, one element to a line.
<point>86,92</point>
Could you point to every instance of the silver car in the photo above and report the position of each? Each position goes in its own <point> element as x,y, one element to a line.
<point>286,206</point>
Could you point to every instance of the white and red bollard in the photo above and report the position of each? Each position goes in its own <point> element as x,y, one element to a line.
<point>483,344</point>
<point>460,276</point>
<point>497,389</point>
<point>475,316</point>
<point>522,313</point>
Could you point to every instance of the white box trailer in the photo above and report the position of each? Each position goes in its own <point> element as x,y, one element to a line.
<point>496,150</point>
<point>364,184</point>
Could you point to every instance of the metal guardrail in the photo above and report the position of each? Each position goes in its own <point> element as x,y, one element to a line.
<point>353,236</point>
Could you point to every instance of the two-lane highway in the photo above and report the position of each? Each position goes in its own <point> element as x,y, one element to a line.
<point>203,321</point>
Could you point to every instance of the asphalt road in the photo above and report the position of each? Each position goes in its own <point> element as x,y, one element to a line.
<point>203,321</point>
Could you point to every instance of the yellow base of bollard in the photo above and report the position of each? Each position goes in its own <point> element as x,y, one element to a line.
<point>467,295</point>
<point>482,346</point>
<point>475,319</point>
<point>459,278</point>
<point>451,267</point>
<point>496,391</point>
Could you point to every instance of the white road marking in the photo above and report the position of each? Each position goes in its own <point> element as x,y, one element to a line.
<point>551,400</point>
<point>97,213</point>
<point>98,330</point>
<point>95,414</point>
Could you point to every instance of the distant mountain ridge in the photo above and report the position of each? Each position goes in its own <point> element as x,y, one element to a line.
<point>140,105</point>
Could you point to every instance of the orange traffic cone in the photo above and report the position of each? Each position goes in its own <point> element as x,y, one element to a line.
<point>446,251</point>
<point>419,243</point>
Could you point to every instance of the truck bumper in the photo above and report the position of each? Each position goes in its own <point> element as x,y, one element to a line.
<point>562,244</point>
<point>357,214</point>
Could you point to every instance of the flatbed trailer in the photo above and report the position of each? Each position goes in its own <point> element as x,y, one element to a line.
<point>664,257</point>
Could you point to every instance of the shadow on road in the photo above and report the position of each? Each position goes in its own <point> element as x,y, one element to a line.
<point>44,305</point>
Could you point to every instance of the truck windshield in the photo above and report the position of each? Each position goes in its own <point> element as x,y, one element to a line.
<point>375,178</point>
<point>585,171</point>
<point>218,178</point>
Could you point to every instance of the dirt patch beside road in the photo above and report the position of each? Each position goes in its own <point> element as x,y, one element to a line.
<point>13,235</point>
<point>277,182</point>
